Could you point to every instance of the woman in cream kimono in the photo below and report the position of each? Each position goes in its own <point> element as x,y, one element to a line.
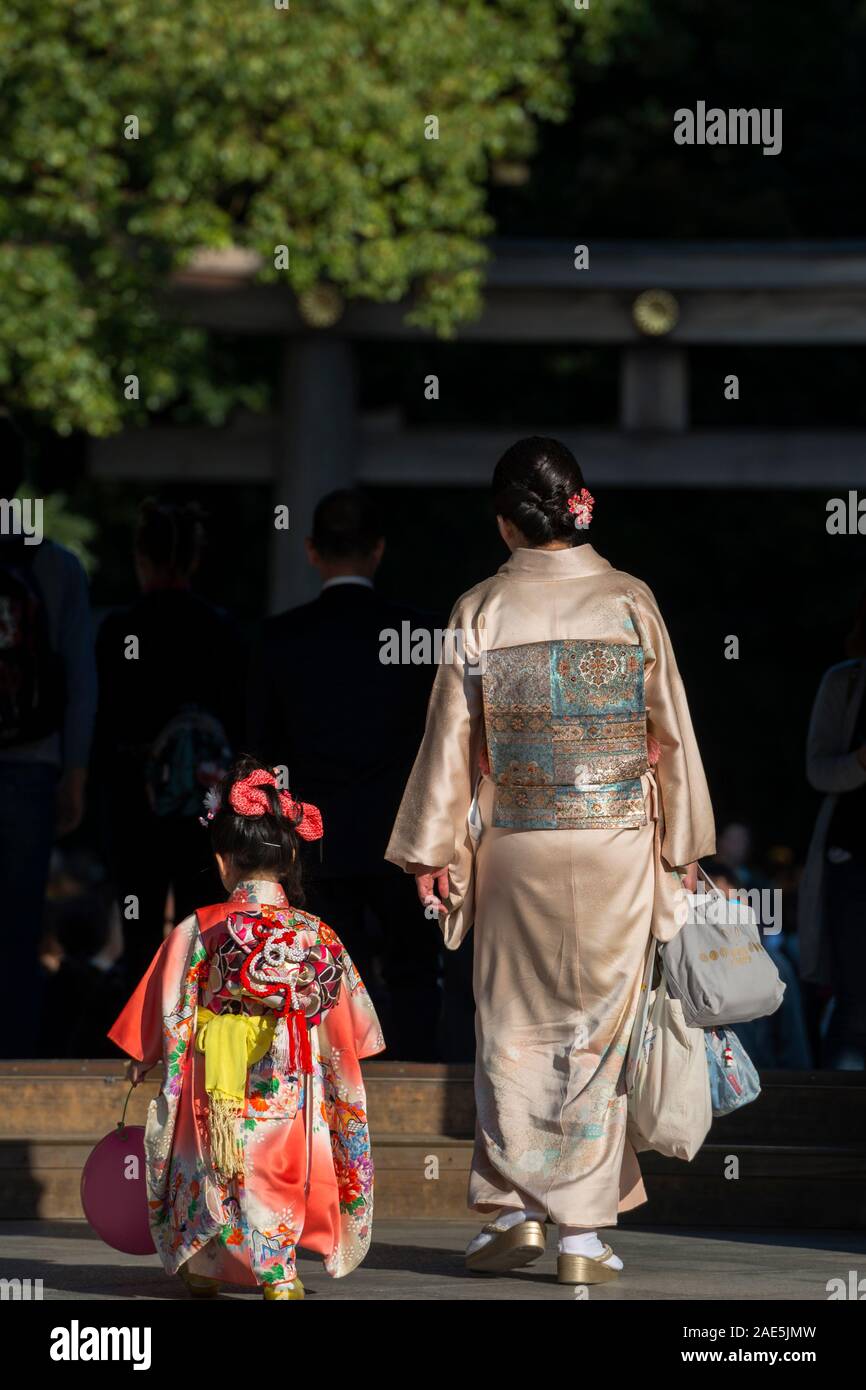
<point>558,801</point>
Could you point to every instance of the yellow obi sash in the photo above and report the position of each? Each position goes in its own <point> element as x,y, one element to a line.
<point>230,1044</point>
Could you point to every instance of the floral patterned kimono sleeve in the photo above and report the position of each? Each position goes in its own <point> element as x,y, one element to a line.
<point>348,1031</point>
<point>352,1026</point>
<point>157,1022</point>
<point>687,814</point>
<point>431,821</point>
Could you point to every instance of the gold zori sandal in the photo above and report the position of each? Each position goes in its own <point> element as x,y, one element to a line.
<point>510,1248</point>
<point>199,1285</point>
<point>283,1292</point>
<point>585,1269</point>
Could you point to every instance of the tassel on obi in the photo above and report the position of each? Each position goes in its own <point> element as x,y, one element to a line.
<point>224,1129</point>
<point>280,1046</point>
<point>291,1047</point>
<point>230,1043</point>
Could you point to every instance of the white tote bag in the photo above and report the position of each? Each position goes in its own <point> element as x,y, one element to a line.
<point>669,1107</point>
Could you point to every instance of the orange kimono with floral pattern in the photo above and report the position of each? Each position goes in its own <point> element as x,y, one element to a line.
<point>312,1189</point>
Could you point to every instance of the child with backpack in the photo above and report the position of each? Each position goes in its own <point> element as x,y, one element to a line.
<point>258,1141</point>
<point>167,723</point>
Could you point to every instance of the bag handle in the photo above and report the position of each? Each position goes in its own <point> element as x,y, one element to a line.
<point>122,1121</point>
<point>705,876</point>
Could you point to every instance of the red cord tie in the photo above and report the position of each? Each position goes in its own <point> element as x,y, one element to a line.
<point>300,1054</point>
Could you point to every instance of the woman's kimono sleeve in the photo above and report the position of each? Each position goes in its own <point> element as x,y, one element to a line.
<point>431,822</point>
<point>687,813</point>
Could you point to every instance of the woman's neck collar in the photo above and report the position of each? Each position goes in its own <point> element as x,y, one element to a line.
<point>571,563</point>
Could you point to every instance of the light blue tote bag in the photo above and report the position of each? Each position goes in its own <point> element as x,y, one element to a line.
<point>733,1078</point>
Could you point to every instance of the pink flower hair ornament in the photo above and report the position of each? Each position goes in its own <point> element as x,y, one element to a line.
<point>580,504</point>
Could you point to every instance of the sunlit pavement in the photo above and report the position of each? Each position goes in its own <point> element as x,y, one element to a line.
<point>423,1260</point>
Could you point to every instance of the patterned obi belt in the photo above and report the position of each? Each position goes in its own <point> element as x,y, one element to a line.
<point>566,735</point>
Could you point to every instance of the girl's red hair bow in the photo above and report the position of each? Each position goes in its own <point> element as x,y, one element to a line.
<point>247,798</point>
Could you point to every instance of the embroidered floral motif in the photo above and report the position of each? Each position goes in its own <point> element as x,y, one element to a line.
<point>350,1147</point>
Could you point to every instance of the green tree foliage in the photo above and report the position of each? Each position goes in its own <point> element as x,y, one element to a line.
<point>257,127</point>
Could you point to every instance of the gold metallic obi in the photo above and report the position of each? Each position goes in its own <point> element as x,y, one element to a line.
<point>566,735</point>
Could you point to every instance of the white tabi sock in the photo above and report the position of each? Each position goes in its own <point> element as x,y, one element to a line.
<point>576,1242</point>
<point>507,1218</point>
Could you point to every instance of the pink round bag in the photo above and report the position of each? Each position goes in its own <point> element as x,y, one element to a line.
<point>114,1191</point>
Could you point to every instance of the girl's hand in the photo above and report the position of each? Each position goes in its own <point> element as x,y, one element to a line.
<point>429,883</point>
<point>136,1072</point>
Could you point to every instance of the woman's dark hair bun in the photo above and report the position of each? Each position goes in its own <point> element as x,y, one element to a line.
<point>266,844</point>
<point>532,484</point>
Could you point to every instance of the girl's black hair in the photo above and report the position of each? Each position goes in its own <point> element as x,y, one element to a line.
<point>258,845</point>
<point>170,535</point>
<point>532,483</point>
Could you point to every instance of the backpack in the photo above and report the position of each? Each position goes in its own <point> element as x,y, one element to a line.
<point>31,672</point>
<point>190,755</point>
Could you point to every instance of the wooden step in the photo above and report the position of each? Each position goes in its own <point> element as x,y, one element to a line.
<point>56,1098</point>
<point>800,1146</point>
<point>820,1189</point>
<point>52,1099</point>
<point>427,1176</point>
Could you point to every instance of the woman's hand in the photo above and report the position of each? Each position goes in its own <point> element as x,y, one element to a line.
<point>433,886</point>
<point>689,876</point>
<point>136,1072</point>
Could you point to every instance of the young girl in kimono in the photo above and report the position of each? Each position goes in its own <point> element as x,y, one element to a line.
<point>258,1139</point>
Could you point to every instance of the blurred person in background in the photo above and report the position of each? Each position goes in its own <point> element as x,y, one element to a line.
<point>346,725</point>
<point>832,901</point>
<point>735,847</point>
<point>80,950</point>
<point>47,707</point>
<point>170,706</point>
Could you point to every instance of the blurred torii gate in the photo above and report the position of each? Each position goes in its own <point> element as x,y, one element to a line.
<point>651,300</point>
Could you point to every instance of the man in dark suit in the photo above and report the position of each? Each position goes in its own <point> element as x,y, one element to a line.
<point>347,725</point>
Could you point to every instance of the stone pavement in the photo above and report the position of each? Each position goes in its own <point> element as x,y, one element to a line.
<point>423,1261</point>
